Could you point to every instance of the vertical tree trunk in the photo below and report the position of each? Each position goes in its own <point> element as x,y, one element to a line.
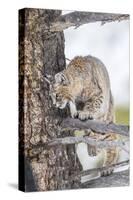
<point>41,52</point>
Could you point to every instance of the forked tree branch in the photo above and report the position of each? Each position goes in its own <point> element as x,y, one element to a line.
<point>95,126</point>
<point>77,19</point>
<point>123,144</point>
<point>92,125</point>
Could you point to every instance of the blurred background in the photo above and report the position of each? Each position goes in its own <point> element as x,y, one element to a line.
<point>109,43</point>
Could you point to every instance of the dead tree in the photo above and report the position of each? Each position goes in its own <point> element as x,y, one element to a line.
<point>41,51</point>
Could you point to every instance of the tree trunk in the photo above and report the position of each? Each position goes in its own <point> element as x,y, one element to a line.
<point>41,52</point>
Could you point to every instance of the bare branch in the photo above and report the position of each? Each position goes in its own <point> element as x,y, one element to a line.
<point>86,139</point>
<point>100,169</point>
<point>74,140</point>
<point>114,180</point>
<point>92,125</point>
<point>95,126</point>
<point>77,19</point>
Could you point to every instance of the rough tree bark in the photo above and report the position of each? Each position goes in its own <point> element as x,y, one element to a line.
<point>41,53</point>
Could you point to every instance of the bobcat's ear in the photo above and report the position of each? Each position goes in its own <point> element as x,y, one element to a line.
<point>61,78</point>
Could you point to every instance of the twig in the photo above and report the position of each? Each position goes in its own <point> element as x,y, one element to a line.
<point>68,59</point>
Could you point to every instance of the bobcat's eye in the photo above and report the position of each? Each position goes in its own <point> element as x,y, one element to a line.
<point>58,97</point>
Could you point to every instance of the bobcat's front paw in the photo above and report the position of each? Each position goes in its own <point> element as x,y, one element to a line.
<point>74,114</point>
<point>83,115</point>
<point>107,172</point>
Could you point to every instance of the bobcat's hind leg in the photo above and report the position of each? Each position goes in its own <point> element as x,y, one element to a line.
<point>89,162</point>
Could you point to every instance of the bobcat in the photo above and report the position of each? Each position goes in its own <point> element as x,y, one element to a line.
<point>85,87</point>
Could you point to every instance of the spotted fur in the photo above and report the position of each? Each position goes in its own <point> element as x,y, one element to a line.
<point>85,86</point>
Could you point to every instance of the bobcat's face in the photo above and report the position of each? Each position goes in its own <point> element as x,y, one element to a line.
<point>59,90</point>
<point>57,93</point>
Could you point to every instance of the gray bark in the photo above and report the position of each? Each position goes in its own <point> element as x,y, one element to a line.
<point>41,53</point>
